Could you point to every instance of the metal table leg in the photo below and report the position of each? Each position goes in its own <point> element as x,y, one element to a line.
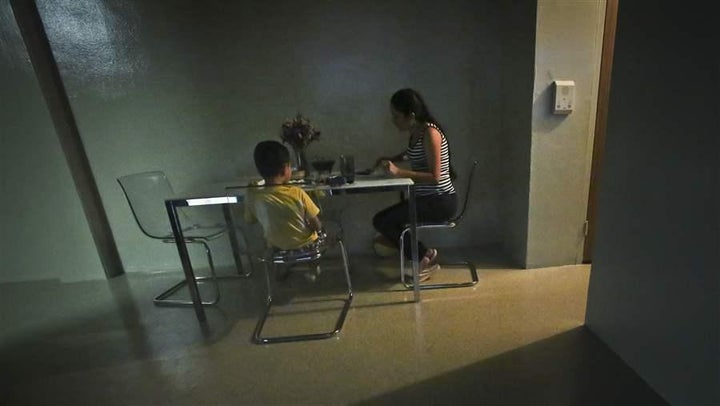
<point>185,260</point>
<point>233,236</point>
<point>413,241</point>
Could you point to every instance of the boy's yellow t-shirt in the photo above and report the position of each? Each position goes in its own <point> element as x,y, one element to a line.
<point>282,210</point>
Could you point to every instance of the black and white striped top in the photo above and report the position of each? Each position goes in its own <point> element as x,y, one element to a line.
<point>418,162</point>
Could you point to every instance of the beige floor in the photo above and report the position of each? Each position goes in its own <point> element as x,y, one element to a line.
<point>516,338</point>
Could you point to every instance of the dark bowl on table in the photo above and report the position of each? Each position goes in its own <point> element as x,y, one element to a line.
<point>323,165</point>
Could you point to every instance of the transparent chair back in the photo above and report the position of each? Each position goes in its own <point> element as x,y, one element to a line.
<point>146,193</point>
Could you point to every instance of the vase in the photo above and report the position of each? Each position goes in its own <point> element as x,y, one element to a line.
<point>301,161</point>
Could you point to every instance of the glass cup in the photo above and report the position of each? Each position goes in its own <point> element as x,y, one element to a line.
<point>347,168</point>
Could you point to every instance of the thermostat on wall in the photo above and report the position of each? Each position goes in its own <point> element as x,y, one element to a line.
<point>564,96</point>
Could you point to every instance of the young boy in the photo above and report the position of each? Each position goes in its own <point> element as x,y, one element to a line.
<point>287,214</point>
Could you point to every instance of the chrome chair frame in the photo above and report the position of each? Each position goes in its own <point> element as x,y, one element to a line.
<point>208,233</point>
<point>452,223</point>
<point>293,257</point>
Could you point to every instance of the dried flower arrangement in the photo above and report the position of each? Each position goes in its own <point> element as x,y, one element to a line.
<point>299,132</point>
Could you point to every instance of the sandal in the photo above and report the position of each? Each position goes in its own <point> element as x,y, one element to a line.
<point>424,274</point>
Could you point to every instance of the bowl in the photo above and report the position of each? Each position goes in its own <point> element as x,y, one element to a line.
<point>323,165</point>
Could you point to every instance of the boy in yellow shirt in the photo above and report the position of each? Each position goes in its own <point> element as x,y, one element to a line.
<point>287,214</point>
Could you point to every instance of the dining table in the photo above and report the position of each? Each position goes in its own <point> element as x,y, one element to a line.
<point>232,192</point>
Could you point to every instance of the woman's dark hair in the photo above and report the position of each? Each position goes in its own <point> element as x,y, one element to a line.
<point>408,101</point>
<point>271,158</point>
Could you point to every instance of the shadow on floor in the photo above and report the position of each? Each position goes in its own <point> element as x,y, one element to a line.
<point>71,327</point>
<point>55,328</point>
<point>572,368</point>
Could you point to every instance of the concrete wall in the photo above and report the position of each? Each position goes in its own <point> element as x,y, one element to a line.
<point>569,46</point>
<point>189,87</point>
<point>654,287</point>
<point>515,111</point>
<point>44,233</point>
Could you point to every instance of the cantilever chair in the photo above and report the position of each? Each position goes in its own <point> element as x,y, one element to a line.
<point>310,255</point>
<point>146,194</point>
<point>452,223</point>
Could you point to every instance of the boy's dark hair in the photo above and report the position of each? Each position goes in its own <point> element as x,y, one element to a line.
<point>271,158</point>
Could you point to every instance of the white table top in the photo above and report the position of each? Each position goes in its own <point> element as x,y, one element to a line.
<point>233,191</point>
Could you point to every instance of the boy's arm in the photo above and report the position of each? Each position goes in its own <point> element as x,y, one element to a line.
<point>311,212</point>
<point>314,223</point>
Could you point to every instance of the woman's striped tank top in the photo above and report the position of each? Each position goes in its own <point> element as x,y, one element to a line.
<point>418,162</point>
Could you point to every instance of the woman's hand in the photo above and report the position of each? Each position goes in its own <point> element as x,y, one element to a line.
<point>389,167</point>
<point>379,163</point>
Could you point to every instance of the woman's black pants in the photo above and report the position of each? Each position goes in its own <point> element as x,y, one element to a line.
<point>391,221</point>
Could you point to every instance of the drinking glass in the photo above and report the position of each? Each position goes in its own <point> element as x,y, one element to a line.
<point>347,167</point>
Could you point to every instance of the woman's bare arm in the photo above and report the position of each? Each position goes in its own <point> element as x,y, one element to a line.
<point>433,144</point>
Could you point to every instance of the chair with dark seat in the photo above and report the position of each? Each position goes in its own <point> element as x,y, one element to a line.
<point>310,255</point>
<point>146,194</point>
<point>452,223</point>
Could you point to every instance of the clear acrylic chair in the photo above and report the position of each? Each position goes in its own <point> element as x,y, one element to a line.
<point>312,256</point>
<point>146,194</point>
<point>452,223</point>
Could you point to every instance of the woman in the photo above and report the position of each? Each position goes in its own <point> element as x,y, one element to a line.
<point>429,156</point>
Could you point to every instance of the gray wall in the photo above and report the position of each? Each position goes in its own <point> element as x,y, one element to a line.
<point>189,88</point>
<point>654,287</point>
<point>515,111</point>
<point>44,233</point>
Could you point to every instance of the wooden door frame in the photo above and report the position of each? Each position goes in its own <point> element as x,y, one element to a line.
<point>608,48</point>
